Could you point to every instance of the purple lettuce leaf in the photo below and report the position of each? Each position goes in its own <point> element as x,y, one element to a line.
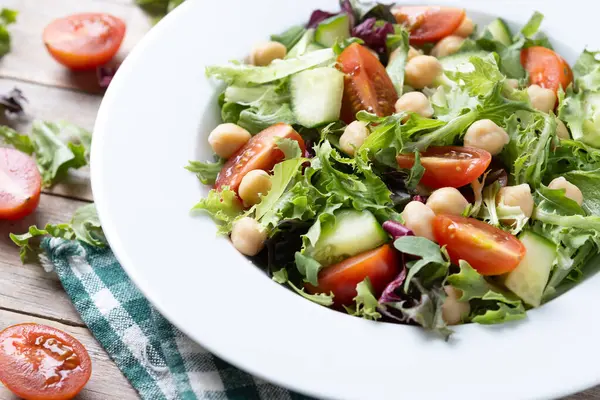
<point>374,34</point>
<point>105,75</point>
<point>396,229</point>
<point>317,17</point>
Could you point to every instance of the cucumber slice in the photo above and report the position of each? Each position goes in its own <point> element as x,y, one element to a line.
<point>530,277</point>
<point>454,61</point>
<point>332,30</point>
<point>500,32</point>
<point>354,232</point>
<point>317,96</point>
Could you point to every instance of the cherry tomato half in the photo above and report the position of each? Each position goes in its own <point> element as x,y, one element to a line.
<point>489,250</point>
<point>429,24</point>
<point>452,166</point>
<point>84,41</point>
<point>260,152</point>
<point>546,68</point>
<point>380,265</point>
<point>38,362</point>
<point>20,184</point>
<point>367,85</point>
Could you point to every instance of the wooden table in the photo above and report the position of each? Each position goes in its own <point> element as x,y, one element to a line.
<point>27,293</point>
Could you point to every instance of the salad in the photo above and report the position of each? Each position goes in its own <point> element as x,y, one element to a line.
<point>400,164</point>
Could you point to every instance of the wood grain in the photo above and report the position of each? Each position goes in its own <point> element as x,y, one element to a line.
<point>28,288</point>
<point>106,382</point>
<point>29,60</point>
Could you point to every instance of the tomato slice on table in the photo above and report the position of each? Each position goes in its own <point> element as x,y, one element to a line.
<point>380,265</point>
<point>453,166</point>
<point>84,41</point>
<point>38,362</point>
<point>489,250</point>
<point>260,152</point>
<point>20,184</point>
<point>429,23</point>
<point>367,85</point>
<point>546,68</point>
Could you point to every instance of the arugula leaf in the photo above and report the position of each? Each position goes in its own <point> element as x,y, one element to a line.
<point>416,173</point>
<point>433,264</point>
<point>323,299</point>
<point>589,184</point>
<point>366,303</point>
<point>290,37</point>
<point>245,74</point>
<point>53,157</point>
<point>223,207</point>
<point>17,140</point>
<point>398,42</point>
<point>308,267</point>
<point>489,304</point>
<point>206,171</point>
<point>7,17</point>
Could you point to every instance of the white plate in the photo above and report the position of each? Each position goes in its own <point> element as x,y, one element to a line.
<point>156,116</point>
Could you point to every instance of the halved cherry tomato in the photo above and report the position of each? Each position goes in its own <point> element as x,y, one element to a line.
<point>260,152</point>
<point>452,166</point>
<point>380,265</point>
<point>367,85</point>
<point>546,68</point>
<point>20,184</point>
<point>429,23</point>
<point>489,250</point>
<point>38,362</point>
<point>84,41</point>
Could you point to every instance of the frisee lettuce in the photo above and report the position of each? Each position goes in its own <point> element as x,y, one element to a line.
<point>222,206</point>
<point>323,299</point>
<point>206,172</point>
<point>365,302</point>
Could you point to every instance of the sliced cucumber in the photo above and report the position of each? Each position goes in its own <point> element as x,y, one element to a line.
<point>454,61</point>
<point>354,232</point>
<point>317,96</point>
<point>500,32</point>
<point>530,277</point>
<point>332,30</point>
<point>314,47</point>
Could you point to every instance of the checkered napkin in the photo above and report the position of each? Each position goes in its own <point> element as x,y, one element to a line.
<point>159,360</point>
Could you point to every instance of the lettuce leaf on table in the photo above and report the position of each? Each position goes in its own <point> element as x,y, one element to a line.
<point>7,17</point>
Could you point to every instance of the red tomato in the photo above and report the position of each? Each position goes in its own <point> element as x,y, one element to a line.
<point>546,68</point>
<point>259,153</point>
<point>38,362</point>
<point>380,265</point>
<point>429,23</point>
<point>452,166</point>
<point>84,41</point>
<point>20,184</point>
<point>367,85</point>
<point>489,250</point>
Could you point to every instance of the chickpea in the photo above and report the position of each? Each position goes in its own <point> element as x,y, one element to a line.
<point>541,99</point>
<point>419,219</point>
<point>254,184</point>
<point>447,200</point>
<point>446,46</point>
<point>415,102</point>
<point>561,130</point>
<point>466,28</point>
<point>517,196</point>
<point>422,71</point>
<point>228,138</point>
<point>453,310</point>
<point>248,237</point>
<point>485,134</point>
<point>512,83</point>
<point>353,137</point>
<point>412,53</point>
<point>264,53</point>
<point>571,191</point>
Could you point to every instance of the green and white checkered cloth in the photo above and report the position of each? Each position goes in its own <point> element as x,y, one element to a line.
<point>159,360</point>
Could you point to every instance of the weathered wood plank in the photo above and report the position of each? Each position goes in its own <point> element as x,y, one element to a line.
<point>53,104</point>
<point>28,288</point>
<point>29,60</point>
<point>106,382</point>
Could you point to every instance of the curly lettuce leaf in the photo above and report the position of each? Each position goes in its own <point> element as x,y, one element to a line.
<point>323,299</point>
<point>13,138</point>
<point>581,113</point>
<point>586,71</point>
<point>256,119</point>
<point>206,171</point>
<point>366,302</point>
<point>500,215</point>
<point>222,206</point>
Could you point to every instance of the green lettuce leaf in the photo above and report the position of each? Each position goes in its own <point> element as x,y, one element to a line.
<point>256,119</point>
<point>489,304</point>
<point>499,214</point>
<point>586,71</point>
<point>434,262</point>
<point>366,303</point>
<point>17,140</point>
<point>581,113</point>
<point>223,207</point>
<point>206,171</point>
<point>290,36</point>
<point>157,9</point>
<point>398,41</point>
<point>323,299</point>
<point>7,17</point>
<point>308,267</point>
<point>416,173</point>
